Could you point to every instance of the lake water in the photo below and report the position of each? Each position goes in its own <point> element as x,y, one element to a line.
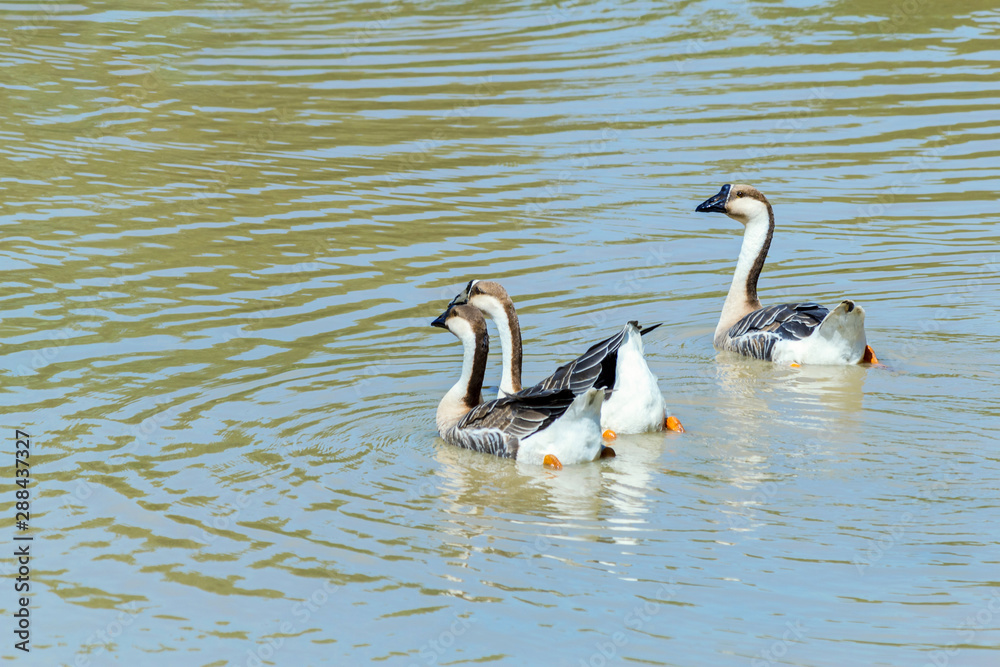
<point>226,231</point>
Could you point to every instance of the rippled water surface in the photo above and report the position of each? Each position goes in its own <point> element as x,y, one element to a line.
<point>226,230</point>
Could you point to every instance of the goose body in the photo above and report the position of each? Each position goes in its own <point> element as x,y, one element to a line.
<point>617,363</point>
<point>794,333</point>
<point>541,425</point>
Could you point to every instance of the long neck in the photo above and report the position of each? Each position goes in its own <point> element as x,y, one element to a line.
<point>505,317</point>
<point>467,392</point>
<point>742,298</point>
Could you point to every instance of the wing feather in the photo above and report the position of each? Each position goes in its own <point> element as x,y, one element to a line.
<point>498,426</point>
<point>594,368</point>
<point>756,334</point>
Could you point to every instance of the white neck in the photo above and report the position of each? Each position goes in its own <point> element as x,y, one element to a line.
<point>453,407</point>
<point>510,378</point>
<point>740,301</point>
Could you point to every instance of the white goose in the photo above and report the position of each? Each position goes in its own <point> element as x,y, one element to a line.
<point>635,405</point>
<point>552,427</point>
<point>795,333</point>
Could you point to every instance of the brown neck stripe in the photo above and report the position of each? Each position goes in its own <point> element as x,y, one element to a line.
<point>475,389</point>
<point>758,264</point>
<point>515,344</point>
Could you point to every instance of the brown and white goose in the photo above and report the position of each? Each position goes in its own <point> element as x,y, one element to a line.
<point>540,426</point>
<point>796,333</point>
<point>636,404</point>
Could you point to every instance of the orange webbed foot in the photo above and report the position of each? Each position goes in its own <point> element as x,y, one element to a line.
<point>869,356</point>
<point>609,434</point>
<point>550,461</point>
<point>672,423</point>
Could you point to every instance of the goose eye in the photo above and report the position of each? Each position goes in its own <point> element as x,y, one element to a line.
<point>739,194</point>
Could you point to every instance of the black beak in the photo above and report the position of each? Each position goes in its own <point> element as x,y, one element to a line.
<point>439,321</point>
<point>716,204</point>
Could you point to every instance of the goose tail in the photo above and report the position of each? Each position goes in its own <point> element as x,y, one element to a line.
<point>643,332</point>
<point>587,406</point>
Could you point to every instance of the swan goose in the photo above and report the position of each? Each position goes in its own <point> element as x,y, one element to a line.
<point>635,405</point>
<point>795,333</point>
<point>552,427</point>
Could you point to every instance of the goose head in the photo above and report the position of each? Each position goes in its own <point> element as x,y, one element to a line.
<point>484,294</point>
<point>468,325</point>
<point>740,202</point>
<point>492,299</point>
<point>464,321</point>
<point>463,296</point>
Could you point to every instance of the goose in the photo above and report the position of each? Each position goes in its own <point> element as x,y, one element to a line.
<point>553,427</point>
<point>794,333</point>
<point>635,405</point>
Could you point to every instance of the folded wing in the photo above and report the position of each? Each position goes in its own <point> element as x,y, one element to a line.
<point>757,333</point>
<point>497,427</point>
<point>594,368</point>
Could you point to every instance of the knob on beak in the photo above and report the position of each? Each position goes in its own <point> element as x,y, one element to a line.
<point>716,204</point>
